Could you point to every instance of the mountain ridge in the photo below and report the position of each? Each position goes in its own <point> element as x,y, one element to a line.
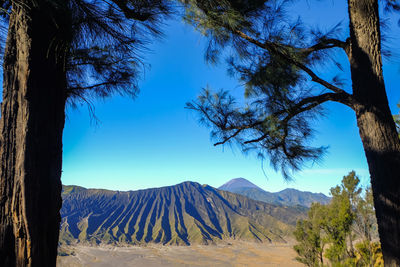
<point>183,214</point>
<point>286,197</point>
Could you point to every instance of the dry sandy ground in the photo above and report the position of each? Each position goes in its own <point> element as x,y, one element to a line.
<point>238,254</point>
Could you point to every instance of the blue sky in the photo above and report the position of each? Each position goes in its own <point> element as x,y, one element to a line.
<point>153,141</point>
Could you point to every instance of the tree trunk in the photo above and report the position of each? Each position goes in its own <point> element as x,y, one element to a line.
<point>31,137</point>
<point>375,122</point>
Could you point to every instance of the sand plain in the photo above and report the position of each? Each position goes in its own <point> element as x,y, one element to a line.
<point>236,254</point>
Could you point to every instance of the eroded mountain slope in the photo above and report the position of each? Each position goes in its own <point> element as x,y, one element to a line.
<point>184,214</point>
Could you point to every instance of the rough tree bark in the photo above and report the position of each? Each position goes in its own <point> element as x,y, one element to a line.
<point>31,128</point>
<point>375,122</point>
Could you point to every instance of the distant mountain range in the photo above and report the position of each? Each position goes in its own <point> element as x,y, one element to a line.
<point>287,197</point>
<point>183,214</point>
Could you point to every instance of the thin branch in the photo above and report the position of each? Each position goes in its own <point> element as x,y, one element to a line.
<point>262,137</point>
<point>228,138</point>
<point>223,126</point>
<point>325,44</point>
<point>206,114</point>
<point>302,106</point>
<point>319,99</point>
<point>91,87</point>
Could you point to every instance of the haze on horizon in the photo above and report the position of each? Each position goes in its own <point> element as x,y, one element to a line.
<point>153,141</point>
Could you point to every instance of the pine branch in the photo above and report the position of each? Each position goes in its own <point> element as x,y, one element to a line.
<point>131,13</point>
<point>228,138</point>
<point>300,107</point>
<point>222,125</point>
<point>280,50</point>
<point>326,44</point>
<point>142,10</point>
<point>92,86</point>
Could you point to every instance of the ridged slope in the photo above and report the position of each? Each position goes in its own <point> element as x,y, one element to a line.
<point>183,214</point>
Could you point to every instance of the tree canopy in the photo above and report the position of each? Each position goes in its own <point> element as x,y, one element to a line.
<point>277,58</point>
<point>104,46</point>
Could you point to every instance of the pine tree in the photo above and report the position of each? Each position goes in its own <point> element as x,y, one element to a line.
<point>326,231</point>
<point>56,52</point>
<point>279,61</point>
<point>337,223</point>
<point>310,238</point>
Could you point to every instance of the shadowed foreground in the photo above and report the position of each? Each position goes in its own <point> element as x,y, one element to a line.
<point>238,254</point>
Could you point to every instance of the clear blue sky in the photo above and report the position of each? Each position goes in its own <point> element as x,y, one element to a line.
<point>153,141</point>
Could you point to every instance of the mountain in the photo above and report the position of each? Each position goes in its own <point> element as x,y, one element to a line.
<point>304,198</point>
<point>184,214</point>
<point>238,183</point>
<point>287,197</point>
